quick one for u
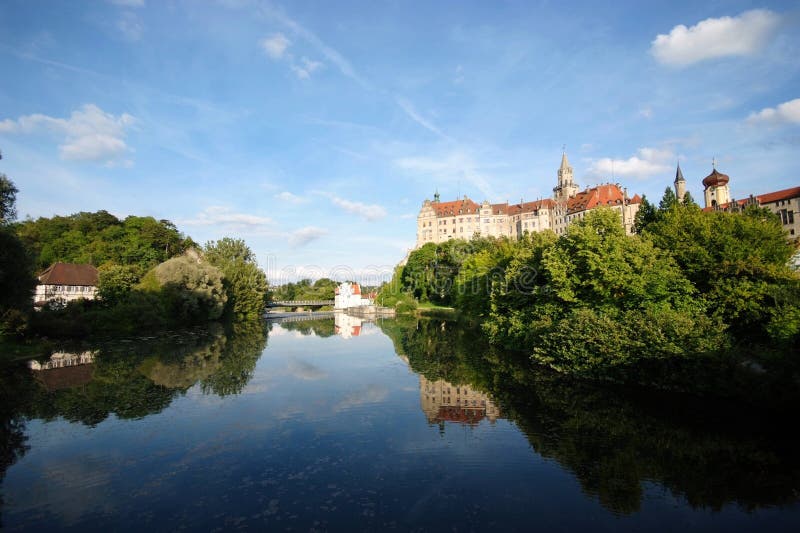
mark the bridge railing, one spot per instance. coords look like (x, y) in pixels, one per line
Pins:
(299, 303)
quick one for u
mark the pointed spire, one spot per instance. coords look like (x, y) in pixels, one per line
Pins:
(564, 161)
(679, 174)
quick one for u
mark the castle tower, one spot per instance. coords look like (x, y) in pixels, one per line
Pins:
(716, 190)
(680, 184)
(566, 187)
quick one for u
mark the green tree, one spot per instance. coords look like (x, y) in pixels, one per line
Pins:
(8, 199)
(688, 200)
(192, 290)
(668, 201)
(116, 282)
(645, 215)
(621, 300)
(738, 261)
(245, 284)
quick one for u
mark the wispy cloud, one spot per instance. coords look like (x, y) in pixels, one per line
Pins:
(785, 113)
(130, 26)
(303, 236)
(227, 218)
(414, 115)
(286, 196)
(454, 167)
(369, 394)
(328, 52)
(305, 68)
(275, 45)
(369, 212)
(647, 162)
(743, 35)
(89, 134)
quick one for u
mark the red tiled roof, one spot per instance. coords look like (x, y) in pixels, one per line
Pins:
(761, 199)
(69, 274)
(785, 194)
(457, 207)
(530, 207)
(600, 196)
(636, 199)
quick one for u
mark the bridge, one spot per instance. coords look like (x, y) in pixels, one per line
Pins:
(299, 303)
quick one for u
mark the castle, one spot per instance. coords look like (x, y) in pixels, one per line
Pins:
(717, 196)
(462, 219)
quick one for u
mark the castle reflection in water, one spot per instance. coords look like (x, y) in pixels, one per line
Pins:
(444, 402)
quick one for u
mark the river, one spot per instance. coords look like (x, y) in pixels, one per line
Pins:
(408, 424)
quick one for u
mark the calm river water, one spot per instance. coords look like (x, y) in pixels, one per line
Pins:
(407, 425)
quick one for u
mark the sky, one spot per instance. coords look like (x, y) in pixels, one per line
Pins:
(315, 130)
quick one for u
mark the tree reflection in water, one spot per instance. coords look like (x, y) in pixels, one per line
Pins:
(614, 439)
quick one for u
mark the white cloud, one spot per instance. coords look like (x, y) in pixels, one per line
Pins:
(412, 113)
(286, 196)
(745, 34)
(370, 212)
(646, 112)
(306, 68)
(303, 236)
(787, 112)
(130, 26)
(329, 53)
(275, 46)
(227, 218)
(646, 162)
(90, 134)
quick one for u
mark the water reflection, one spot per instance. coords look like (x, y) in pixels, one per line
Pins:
(347, 326)
(445, 402)
(614, 440)
(64, 370)
(343, 428)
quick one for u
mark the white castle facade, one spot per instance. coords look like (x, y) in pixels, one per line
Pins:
(463, 219)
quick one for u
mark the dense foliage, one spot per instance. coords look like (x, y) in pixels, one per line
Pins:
(245, 284)
(100, 237)
(305, 289)
(710, 287)
(16, 276)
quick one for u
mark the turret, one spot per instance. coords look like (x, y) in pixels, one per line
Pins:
(716, 190)
(680, 184)
(566, 187)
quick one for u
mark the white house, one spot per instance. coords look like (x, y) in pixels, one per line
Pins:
(65, 282)
(349, 295)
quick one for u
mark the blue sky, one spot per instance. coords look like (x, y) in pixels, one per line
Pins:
(314, 130)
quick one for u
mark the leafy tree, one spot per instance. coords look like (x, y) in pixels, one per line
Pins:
(192, 290)
(688, 200)
(8, 199)
(116, 282)
(601, 303)
(668, 201)
(738, 261)
(16, 279)
(645, 216)
(245, 284)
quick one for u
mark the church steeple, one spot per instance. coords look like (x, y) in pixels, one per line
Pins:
(680, 184)
(566, 187)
